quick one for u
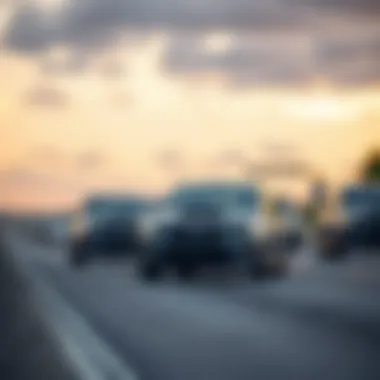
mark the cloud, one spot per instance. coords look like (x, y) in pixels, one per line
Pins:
(344, 57)
(112, 69)
(86, 27)
(29, 30)
(343, 7)
(41, 96)
(350, 59)
(97, 23)
(259, 59)
(73, 63)
(92, 24)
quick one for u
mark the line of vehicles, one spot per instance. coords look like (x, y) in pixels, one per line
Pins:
(218, 223)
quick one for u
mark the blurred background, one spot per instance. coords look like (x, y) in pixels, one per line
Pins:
(107, 95)
(111, 110)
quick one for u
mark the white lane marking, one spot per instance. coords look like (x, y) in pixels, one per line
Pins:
(28, 250)
(92, 356)
(89, 354)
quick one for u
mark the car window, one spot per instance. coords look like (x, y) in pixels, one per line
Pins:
(239, 196)
(361, 198)
(107, 209)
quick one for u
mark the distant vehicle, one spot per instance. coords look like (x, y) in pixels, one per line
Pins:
(356, 223)
(104, 226)
(293, 224)
(212, 223)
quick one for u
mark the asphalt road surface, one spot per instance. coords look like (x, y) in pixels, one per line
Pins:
(322, 323)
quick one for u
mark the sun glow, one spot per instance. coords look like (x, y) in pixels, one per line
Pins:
(322, 108)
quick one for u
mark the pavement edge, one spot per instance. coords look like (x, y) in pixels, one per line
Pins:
(91, 357)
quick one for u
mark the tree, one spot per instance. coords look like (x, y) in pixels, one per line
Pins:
(370, 170)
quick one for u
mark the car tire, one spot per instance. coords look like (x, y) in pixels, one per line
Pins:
(252, 265)
(151, 268)
(278, 271)
(79, 255)
(76, 261)
(257, 270)
(261, 268)
(335, 252)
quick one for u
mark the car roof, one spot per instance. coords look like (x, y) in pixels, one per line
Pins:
(362, 188)
(115, 199)
(216, 185)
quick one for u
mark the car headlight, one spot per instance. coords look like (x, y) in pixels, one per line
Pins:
(259, 226)
(79, 224)
(255, 225)
(152, 223)
(336, 217)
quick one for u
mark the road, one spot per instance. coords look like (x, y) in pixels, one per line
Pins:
(322, 323)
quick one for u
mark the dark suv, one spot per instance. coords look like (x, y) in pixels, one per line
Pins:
(210, 223)
(357, 224)
(105, 226)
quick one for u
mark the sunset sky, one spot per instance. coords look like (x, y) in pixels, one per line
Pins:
(94, 91)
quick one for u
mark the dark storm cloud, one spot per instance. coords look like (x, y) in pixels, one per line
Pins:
(42, 96)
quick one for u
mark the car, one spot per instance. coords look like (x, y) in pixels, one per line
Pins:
(211, 223)
(353, 224)
(105, 225)
(293, 223)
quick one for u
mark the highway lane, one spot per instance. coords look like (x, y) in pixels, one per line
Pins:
(322, 324)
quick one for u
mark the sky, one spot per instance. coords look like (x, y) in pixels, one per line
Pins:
(134, 95)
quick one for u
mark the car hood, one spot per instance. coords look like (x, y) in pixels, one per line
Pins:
(214, 214)
(112, 222)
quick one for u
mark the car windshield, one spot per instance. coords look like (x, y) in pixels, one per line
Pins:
(360, 198)
(244, 196)
(113, 208)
